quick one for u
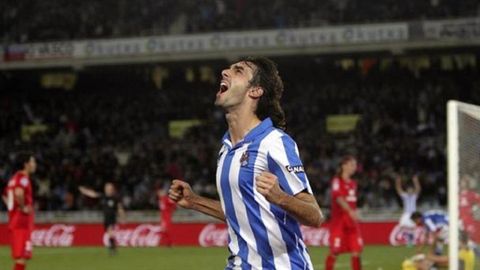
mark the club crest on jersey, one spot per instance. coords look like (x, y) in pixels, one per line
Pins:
(295, 168)
(244, 159)
(24, 181)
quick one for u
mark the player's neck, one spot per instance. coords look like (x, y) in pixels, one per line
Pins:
(240, 122)
(346, 177)
(24, 172)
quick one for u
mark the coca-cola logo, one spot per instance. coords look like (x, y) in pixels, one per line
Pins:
(315, 236)
(58, 235)
(144, 235)
(401, 235)
(213, 236)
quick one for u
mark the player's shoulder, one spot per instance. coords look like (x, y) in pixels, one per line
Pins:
(336, 183)
(278, 137)
(19, 179)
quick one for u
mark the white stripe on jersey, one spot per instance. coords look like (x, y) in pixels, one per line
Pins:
(280, 253)
(241, 212)
(409, 202)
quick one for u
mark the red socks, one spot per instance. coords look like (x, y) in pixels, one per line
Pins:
(330, 262)
(356, 263)
(19, 266)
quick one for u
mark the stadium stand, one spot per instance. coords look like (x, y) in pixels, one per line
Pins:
(116, 127)
(27, 22)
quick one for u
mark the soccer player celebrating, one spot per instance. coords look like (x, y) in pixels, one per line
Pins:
(264, 192)
(19, 200)
(167, 207)
(111, 207)
(345, 234)
(409, 199)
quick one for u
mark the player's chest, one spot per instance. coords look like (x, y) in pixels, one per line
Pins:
(351, 193)
(110, 203)
(240, 165)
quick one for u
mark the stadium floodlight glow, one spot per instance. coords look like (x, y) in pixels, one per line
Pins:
(463, 142)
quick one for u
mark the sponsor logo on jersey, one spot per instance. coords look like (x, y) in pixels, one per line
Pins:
(295, 168)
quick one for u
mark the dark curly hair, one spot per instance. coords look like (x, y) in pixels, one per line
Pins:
(266, 76)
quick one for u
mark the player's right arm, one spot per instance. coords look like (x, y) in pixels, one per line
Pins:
(398, 185)
(416, 185)
(182, 194)
(343, 203)
(88, 192)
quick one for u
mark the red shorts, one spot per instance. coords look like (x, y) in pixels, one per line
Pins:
(21, 243)
(345, 239)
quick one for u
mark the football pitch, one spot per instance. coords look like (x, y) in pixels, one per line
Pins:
(183, 258)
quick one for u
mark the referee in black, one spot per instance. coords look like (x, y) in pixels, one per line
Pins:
(112, 207)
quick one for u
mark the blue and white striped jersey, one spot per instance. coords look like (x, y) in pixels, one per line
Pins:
(435, 220)
(261, 235)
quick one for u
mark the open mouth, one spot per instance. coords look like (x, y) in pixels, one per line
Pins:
(223, 87)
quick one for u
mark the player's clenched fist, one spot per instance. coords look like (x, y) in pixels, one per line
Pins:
(267, 185)
(181, 193)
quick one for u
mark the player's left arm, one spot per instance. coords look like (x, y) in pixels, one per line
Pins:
(285, 183)
(416, 184)
(302, 206)
(121, 212)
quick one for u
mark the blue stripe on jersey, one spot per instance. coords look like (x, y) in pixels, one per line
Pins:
(287, 224)
(229, 208)
(293, 158)
(259, 230)
(435, 219)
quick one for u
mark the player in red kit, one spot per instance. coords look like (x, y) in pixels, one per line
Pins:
(19, 199)
(468, 204)
(167, 207)
(345, 234)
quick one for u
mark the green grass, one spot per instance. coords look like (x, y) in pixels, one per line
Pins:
(182, 258)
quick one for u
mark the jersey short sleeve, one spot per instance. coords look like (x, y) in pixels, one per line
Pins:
(284, 161)
(337, 188)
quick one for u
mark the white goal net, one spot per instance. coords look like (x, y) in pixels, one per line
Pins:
(463, 126)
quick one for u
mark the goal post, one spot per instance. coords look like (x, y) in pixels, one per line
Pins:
(463, 148)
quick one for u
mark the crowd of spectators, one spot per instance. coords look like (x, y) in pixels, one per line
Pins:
(27, 21)
(114, 126)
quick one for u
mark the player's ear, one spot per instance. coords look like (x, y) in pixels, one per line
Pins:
(255, 92)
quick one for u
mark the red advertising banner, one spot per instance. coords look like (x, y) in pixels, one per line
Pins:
(188, 234)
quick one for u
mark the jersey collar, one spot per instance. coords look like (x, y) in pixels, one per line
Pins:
(251, 135)
(21, 174)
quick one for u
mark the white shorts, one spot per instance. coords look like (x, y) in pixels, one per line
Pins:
(406, 221)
